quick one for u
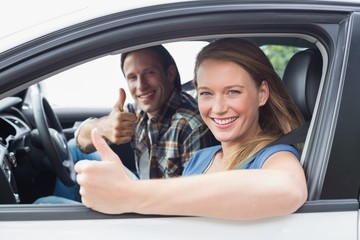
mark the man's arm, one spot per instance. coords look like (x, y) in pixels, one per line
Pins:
(83, 135)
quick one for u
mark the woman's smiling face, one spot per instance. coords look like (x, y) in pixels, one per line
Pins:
(229, 100)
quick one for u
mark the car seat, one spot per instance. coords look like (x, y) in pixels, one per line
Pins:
(302, 79)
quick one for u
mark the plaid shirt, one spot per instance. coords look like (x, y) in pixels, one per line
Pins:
(176, 132)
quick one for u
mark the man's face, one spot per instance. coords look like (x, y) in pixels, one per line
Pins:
(149, 84)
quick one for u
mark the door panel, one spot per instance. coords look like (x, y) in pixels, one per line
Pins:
(301, 225)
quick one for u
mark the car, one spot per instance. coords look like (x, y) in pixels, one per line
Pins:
(43, 53)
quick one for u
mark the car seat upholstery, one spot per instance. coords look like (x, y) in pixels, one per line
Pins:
(302, 79)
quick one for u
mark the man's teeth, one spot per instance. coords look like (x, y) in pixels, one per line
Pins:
(146, 95)
(224, 121)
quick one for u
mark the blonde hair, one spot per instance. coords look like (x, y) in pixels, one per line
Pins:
(278, 116)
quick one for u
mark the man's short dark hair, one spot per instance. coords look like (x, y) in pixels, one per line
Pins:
(165, 58)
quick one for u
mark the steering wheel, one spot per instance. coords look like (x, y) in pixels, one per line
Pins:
(53, 139)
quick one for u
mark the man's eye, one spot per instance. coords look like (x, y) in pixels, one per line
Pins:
(150, 72)
(131, 78)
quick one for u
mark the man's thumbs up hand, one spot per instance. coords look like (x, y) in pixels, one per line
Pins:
(121, 100)
(119, 126)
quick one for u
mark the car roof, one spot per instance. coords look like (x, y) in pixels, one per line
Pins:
(36, 18)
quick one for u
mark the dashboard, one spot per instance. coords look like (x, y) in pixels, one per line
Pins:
(12, 129)
(22, 159)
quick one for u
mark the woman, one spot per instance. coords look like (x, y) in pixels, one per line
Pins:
(245, 105)
(236, 83)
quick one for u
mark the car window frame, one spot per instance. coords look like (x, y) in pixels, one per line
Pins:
(339, 21)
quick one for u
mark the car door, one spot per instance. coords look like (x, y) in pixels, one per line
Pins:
(330, 164)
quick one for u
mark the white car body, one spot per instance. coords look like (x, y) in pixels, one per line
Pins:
(296, 227)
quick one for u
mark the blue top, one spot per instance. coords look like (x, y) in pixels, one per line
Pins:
(203, 158)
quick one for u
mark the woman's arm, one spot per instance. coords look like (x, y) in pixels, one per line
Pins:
(277, 189)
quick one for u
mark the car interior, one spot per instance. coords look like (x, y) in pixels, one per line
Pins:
(29, 166)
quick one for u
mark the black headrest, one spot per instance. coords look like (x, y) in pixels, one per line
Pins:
(302, 79)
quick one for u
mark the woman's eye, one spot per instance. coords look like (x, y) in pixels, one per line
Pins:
(233, 92)
(204, 94)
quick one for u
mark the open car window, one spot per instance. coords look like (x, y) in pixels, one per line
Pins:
(78, 86)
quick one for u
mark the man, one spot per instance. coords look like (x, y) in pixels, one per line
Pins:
(163, 126)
